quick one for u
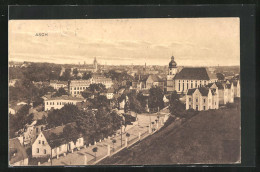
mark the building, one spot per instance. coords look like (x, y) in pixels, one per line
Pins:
(17, 153)
(59, 102)
(187, 78)
(236, 84)
(221, 91)
(110, 93)
(142, 82)
(86, 68)
(76, 87)
(202, 98)
(229, 92)
(52, 143)
(59, 84)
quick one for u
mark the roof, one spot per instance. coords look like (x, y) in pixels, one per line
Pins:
(58, 82)
(111, 90)
(211, 75)
(155, 78)
(141, 77)
(65, 97)
(218, 84)
(193, 74)
(56, 141)
(16, 147)
(203, 90)
(191, 91)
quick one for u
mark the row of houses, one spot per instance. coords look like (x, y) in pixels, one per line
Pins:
(212, 95)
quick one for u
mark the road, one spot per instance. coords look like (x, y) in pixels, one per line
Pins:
(78, 157)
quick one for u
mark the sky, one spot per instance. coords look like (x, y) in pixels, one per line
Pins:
(192, 41)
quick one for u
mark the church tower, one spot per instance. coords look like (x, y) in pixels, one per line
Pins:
(172, 71)
(95, 65)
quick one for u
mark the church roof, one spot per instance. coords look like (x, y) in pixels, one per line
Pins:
(193, 74)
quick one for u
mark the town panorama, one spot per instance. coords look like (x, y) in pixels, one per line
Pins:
(93, 113)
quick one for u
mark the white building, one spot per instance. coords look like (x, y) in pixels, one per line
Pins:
(187, 78)
(59, 102)
(59, 84)
(202, 99)
(47, 144)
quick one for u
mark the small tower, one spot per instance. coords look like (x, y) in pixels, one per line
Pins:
(172, 71)
(95, 64)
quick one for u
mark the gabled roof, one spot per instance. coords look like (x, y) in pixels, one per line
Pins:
(141, 78)
(56, 141)
(191, 91)
(218, 84)
(203, 90)
(193, 74)
(16, 148)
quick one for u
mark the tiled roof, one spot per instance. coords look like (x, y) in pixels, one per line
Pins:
(16, 147)
(58, 82)
(193, 74)
(204, 91)
(65, 97)
(54, 142)
(191, 91)
(218, 84)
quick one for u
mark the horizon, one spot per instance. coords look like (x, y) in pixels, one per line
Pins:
(192, 41)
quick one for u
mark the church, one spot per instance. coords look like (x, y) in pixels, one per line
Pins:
(187, 78)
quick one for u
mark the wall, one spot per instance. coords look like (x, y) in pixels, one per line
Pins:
(41, 147)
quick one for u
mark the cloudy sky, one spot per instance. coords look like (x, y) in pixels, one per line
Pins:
(193, 41)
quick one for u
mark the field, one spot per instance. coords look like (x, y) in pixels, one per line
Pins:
(210, 137)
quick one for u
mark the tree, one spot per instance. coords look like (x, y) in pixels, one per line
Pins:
(60, 92)
(75, 72)
(220, 76)
(95, 149)
(87, 76)
(70, 133)
(176, 107)
(113, 141)
(156, 98)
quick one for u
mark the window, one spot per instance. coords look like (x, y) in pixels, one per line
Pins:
(187, 85)
(78, 88)
(204, 107)
(37, 129)
(39, 142)
(43, 142)
(196, 99)
(41, 128)
(44, 151)
(46, 103)
(189, 106)
(197, 107)
(74, 88)
(196, 85)
(57, 103)
(204, 100)
(37, 150)
(190, 99)
(75, 92)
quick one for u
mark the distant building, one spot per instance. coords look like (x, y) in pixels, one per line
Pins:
(236, 84)
(87, 68)
(51, 143)
(59, 84)
(187, 78)
(110, 93)
(229, 92)
(221, 91)
(202, 99)
(59, 102)
(76, 87)
(17, 153)
(142, 82)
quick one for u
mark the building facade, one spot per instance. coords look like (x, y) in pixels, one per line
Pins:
(187, 78)
(45, 144)
(59, 84)
(202, 99)
(17, 153)
(59, 102)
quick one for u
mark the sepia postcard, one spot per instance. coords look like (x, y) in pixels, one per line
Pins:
(143, 91)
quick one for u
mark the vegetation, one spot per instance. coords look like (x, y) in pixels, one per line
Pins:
(155, 100)
(60, 92)
(211, 137)
(220, 76)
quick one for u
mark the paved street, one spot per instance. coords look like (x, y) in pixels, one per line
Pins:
(78, 157)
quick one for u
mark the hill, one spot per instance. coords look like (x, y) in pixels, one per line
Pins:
(210, 137)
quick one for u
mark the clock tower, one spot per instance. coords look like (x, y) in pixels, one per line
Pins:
(172, 71)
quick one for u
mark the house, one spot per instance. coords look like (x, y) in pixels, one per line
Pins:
(202, 98)
(154, 80)
(59, 84)
(221, 91)
(236, 84)
(139, 82)
(17, 153)
(110, 93)
(59, 102)
(29, 134)
(187, 77)
(52, 143)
